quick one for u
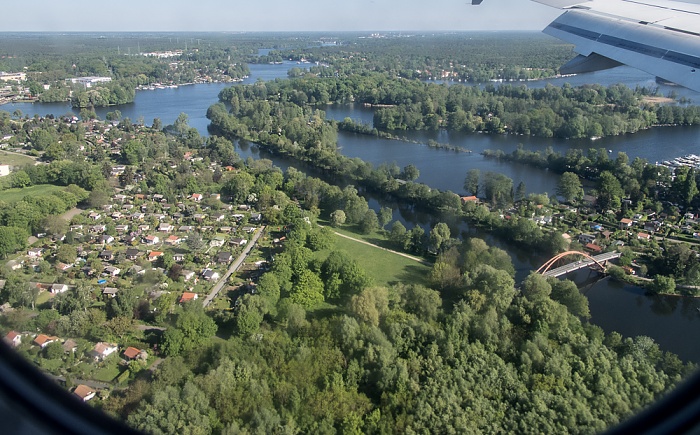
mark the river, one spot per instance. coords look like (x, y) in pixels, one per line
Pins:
(672, 322)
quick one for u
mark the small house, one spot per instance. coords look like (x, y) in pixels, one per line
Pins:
(58, 288)
(103, 350)
(188, 296)
(13, 338)
(42, 340)
(84, 392)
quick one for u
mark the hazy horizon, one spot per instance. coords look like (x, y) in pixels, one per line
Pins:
(277, 16)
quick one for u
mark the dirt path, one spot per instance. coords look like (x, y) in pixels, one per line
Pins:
(410, 257)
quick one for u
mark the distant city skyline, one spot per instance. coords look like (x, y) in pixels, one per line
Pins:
(276, 15)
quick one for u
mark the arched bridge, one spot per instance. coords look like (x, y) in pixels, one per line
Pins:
(598, 262)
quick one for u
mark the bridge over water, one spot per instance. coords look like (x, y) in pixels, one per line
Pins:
(598, 262)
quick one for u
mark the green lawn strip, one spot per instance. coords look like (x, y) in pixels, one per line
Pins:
(15, 159)
(107, 373)
(14, 195)
(383, 267)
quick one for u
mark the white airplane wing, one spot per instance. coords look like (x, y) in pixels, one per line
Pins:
(661, 37)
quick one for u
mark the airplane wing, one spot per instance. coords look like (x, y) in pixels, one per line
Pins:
(661, 37)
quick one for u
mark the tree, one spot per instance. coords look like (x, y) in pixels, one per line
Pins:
(21, 179)
(609, 192)
(195, 242)
(410, 173)
(520, 191)
(338, 218)
(397, 234)
(439, 235)
(569, 187)
(67, 254)
(308, 290)
(385, 215)
(498, 189)
(369, 222)
(157, 124)
(471, 182)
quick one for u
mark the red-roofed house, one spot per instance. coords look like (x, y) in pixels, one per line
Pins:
(132, 353)
(188, 296)
(196, 197)
(466, 199)
(625, 223)
(594, 248)
(154, 255)
(84, 392)
(13, 338)
(42, 340)
(643, 236)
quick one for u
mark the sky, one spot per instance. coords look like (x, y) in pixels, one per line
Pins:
(274, 15)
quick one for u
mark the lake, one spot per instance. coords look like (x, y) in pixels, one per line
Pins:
(672, 322)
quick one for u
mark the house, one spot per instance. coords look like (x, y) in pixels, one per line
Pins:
(173, 240)
(224, 257)
(187, 274)
(138, 216)
(643, 236)
(225, 229)
(112, 271)
(210, 275)
(218, 217)
(107, 255)
(217, 242)
(144, 227)
(196, 197)
(84, 392)
(626, 223)
(102, 350)
(215, 196)
(186, 228)
(94, 216)
(35, 252)
(70, 346)
(63, 266)
(58, 288)
(154, 255)
(178, 258)
(98, 229)
(593, 248)
(132, 253)
(466, 199)
(132, 353)
(188, 296)
(249, 230)
(652, 226)
(42, 340)
(585, 239)
(13, 338)
(199, 217)
(238, 241)
(110, 291)
(255, 217)
(165, 227)
(122, 228)
(151, 240)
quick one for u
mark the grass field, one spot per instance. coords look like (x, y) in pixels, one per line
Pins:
(384, 267)
(14, 195)
(14, 159)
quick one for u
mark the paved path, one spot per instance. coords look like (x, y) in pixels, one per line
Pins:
(410, 257)
(234, 267)
(92, 384)
(67, 216)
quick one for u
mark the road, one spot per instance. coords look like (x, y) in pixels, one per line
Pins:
(234, 267)
(67, 216)
(92, 384)
(410, 257)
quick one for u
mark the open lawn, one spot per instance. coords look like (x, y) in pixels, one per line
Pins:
(14, 195)
(384, 267)
(13, 159)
